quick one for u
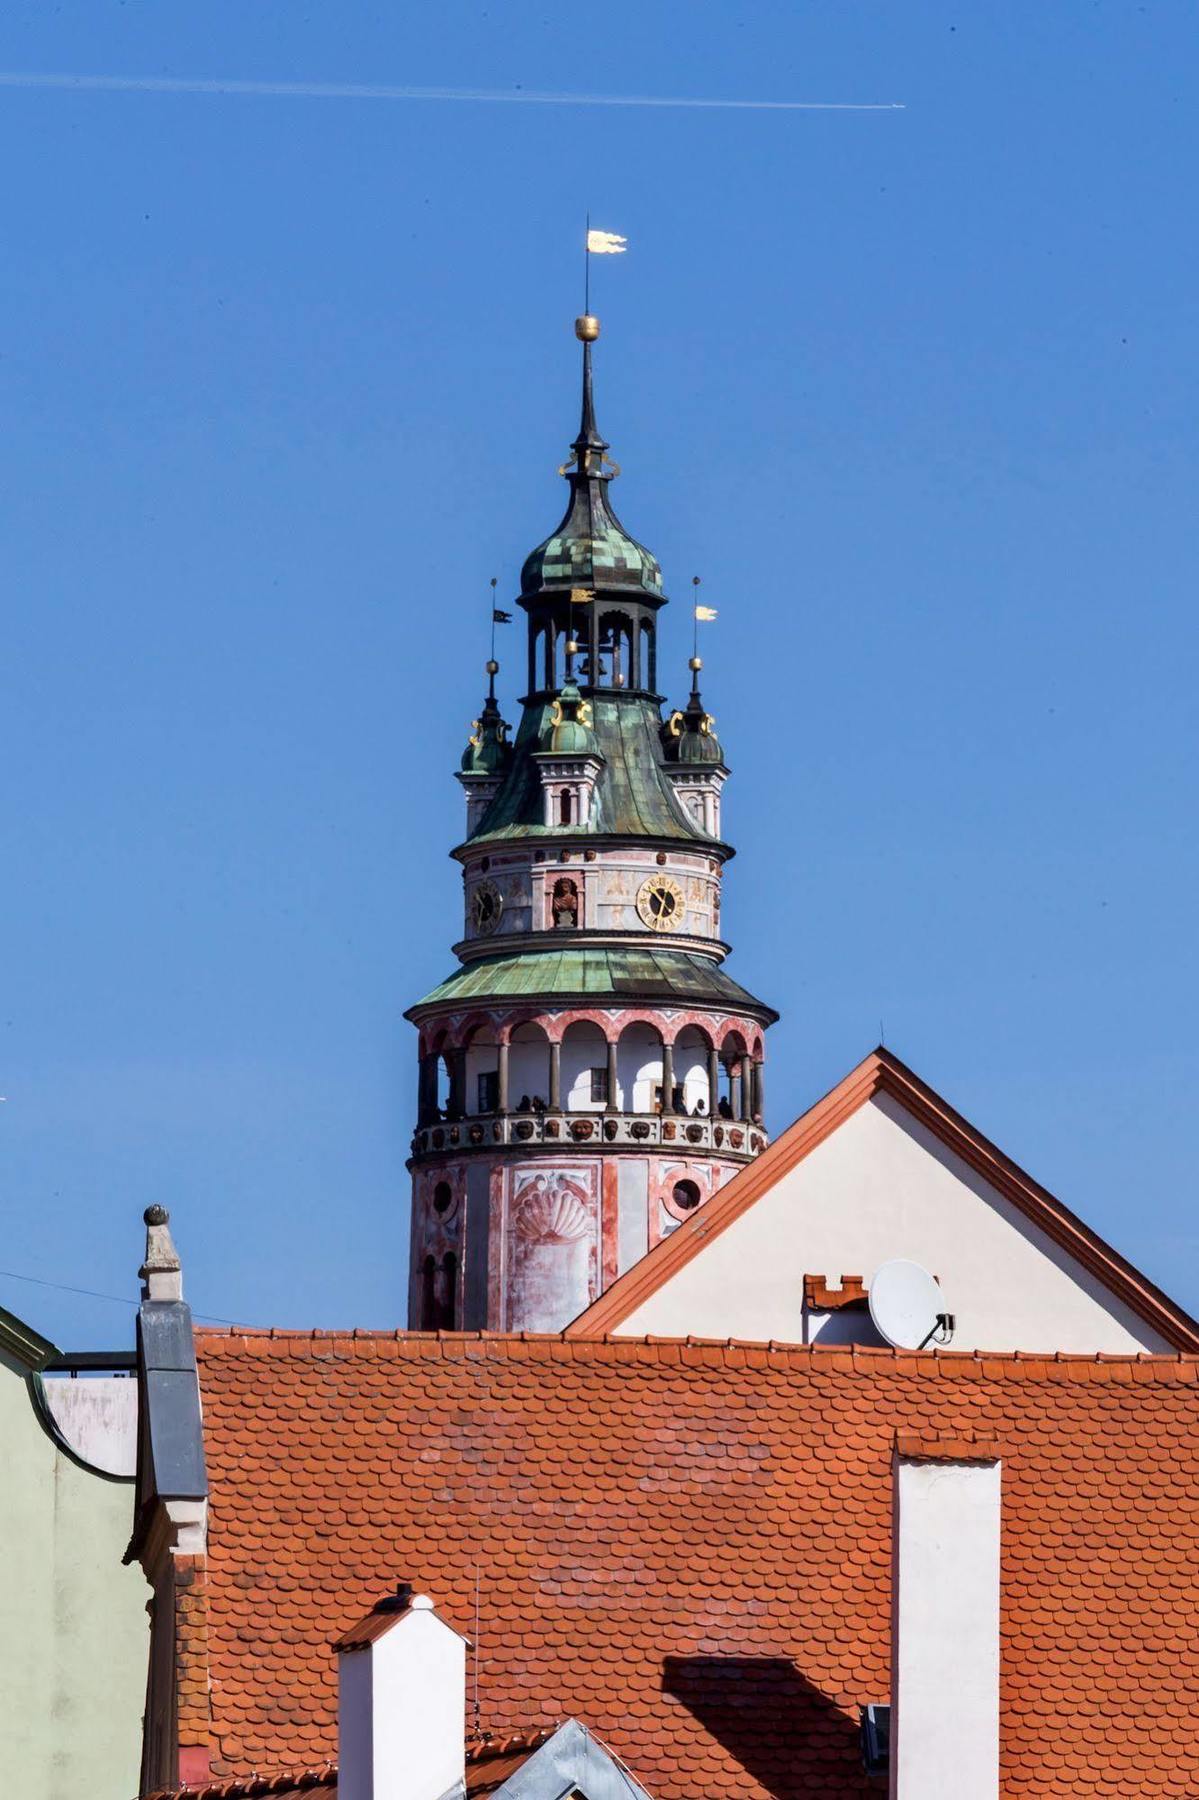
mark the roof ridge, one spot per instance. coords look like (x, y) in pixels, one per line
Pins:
(735, 1352)
(485, 1744)
(250, 1787)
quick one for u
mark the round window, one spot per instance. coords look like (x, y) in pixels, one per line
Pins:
(685, 1197)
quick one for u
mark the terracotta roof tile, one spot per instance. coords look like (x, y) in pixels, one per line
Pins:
(687, 1546)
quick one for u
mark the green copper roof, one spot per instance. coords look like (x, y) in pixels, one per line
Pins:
(633, 796)
(595, 974)
(590, 549)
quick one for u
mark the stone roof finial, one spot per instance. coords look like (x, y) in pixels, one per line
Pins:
(161, 1273)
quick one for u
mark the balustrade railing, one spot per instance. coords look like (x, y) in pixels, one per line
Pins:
(740, 1138)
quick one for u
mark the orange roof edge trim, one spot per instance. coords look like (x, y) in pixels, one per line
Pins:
(953, 1365)
(882, 1072)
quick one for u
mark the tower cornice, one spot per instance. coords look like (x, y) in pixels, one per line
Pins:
(472, 950)
(543, 838)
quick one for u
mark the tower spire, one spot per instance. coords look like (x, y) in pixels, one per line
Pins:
(587, 329)
(590, 548)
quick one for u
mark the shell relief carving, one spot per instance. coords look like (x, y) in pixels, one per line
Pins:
(551, 1211)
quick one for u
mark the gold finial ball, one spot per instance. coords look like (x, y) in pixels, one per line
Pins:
(695, 663)
(493, 667)
(587, 328)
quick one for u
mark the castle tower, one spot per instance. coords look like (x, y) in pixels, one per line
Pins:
(589, 1075)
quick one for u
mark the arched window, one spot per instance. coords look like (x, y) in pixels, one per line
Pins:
(428, 1294)
(648, 671)
(617, 644)
(564, 903)
(565, 807)
(449, 1292)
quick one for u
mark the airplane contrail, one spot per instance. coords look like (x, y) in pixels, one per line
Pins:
(339, 90)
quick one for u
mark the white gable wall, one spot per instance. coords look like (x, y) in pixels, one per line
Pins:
(882, 1186)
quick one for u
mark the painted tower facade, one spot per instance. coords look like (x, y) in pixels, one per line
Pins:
(589, 1075)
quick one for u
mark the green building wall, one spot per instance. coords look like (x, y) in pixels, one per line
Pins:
(74, 1633)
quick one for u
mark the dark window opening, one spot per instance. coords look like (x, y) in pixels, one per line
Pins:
(428, 1296)
(876, 1739)
(599, 1085)
(488, 1091)
(565, 807)
(443, 1197)
(449, 1292)
(686, 1195)
(439, 1293)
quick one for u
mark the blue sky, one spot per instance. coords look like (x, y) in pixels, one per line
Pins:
(284, 382)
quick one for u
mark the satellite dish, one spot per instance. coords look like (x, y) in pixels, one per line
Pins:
(908, 1308)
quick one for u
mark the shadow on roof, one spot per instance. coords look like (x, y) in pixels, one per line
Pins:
(788, 1736)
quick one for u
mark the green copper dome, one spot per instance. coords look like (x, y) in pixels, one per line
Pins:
(702, 746)
(570, 732)
(689, 737)
(488, 750)
(591, 549)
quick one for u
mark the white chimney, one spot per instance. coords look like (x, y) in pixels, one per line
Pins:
(401, 1704)
(945, 1620)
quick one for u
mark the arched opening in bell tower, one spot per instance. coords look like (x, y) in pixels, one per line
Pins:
(736, 1082)
(639, 1068)
(529, 1069)
(584, 1068)
(692, 1056)
(482, 1073)
(618, 640)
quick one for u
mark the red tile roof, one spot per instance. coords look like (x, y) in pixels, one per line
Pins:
(881, 1072)
(489, 1763)
(295, 1784)
(687, 1545)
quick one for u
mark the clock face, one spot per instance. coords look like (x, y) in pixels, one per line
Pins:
(660, 903)
(486, 905)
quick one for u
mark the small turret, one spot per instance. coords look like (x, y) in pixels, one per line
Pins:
(570, 724)
(569, 760)
(694, 758)
(689, 737)
(488, 755)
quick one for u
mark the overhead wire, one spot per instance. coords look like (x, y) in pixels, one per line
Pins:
(63, 1287)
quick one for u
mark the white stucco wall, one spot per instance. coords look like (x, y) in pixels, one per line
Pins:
(97, 1416)
(880, 1187)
